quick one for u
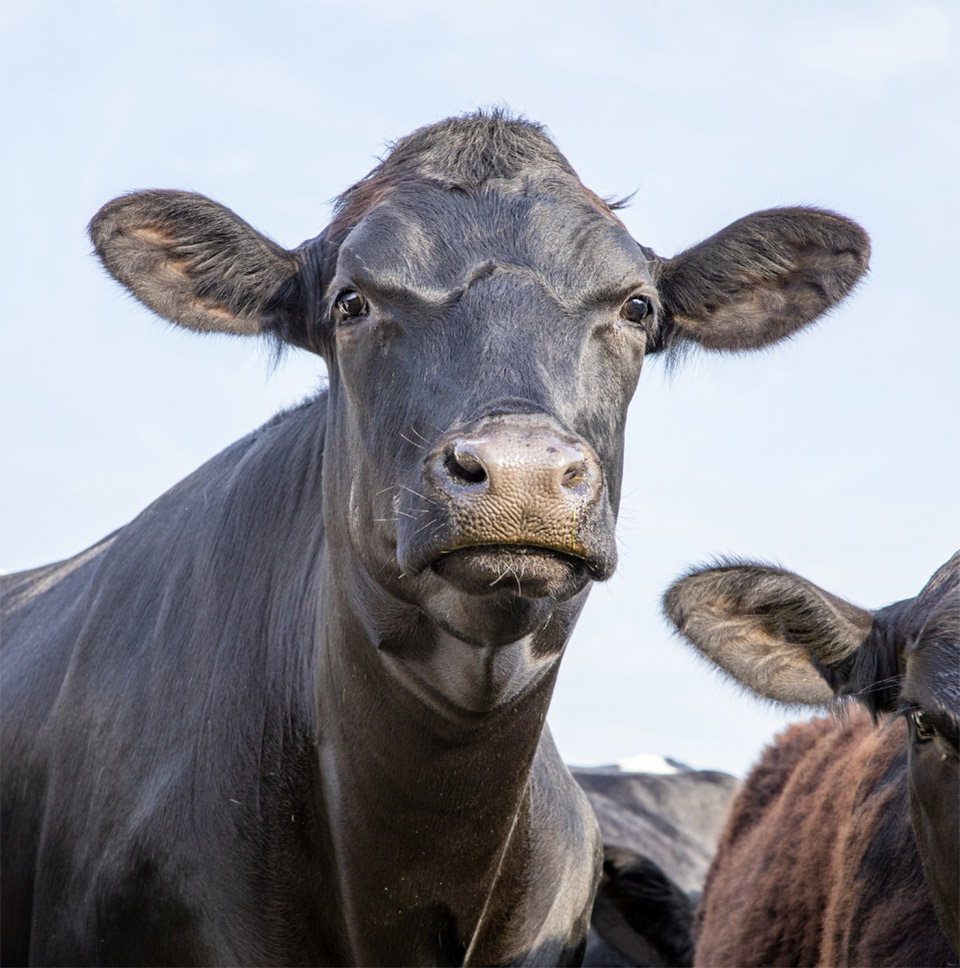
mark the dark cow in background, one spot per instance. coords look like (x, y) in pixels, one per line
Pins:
(640, 917)
(842, 847)
(294, 712)
(674, 818)
(660, 832)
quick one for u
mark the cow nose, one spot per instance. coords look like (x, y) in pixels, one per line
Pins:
(514, 482)
(542, 466)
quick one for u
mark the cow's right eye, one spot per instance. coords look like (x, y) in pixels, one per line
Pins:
(924, 728)
(351, 304)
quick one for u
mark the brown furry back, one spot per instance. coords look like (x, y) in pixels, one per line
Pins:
(818, 863)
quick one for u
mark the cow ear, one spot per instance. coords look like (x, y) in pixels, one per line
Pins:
(198, 264)
(769, 628)
(760, 279)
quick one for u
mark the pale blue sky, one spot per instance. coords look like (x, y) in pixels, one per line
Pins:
(835, 455)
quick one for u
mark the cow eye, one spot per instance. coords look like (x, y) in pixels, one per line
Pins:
(636, 309)
(351, 304)
(922, 725)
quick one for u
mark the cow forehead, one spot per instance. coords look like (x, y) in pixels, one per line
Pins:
(933, 650)
(437, 242)
(935, 612)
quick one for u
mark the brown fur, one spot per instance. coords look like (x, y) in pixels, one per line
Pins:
(818, 864)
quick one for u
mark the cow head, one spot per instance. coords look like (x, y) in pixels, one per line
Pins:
(484, 318)
(788, 640)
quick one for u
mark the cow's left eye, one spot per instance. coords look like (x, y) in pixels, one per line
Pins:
(922, 725)
(636, 309)
(351, 304)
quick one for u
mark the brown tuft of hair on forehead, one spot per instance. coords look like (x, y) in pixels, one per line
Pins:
(462, 152)
(362, 198)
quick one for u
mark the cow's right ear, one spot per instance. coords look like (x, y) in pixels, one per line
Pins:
(198, 264)
(765, 627)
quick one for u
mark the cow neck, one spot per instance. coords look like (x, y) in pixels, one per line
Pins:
(429, 804)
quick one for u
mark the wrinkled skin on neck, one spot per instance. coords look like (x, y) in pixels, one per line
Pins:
(452, 806)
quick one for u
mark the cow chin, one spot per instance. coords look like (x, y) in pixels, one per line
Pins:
(495, 595)
(523, 572)
(500, 615)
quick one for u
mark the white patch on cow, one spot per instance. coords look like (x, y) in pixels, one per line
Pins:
(647, 763)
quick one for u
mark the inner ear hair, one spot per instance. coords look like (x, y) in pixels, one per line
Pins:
(761, 279)
(765, 626)
(192, 260)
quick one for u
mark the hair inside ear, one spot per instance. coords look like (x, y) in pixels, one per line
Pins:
(194, 261)
(761, 279)
(765, 627)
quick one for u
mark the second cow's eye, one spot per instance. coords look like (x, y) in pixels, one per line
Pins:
(351, 305)
(922, 725)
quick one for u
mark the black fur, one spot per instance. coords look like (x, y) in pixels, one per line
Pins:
(641, 912)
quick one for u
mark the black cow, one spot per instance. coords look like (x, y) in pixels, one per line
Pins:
(641, 918)
(675, 819)
(829, 842)
(665, 829)
(294, 712)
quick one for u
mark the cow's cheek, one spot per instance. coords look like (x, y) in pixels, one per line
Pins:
(608, 380)
(934, 795)
(359, 485)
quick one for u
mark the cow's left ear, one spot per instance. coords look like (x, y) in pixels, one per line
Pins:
(769, 629)
(760, 279)
(198, 264)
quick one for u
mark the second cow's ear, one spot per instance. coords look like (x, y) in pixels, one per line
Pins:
(198, 264)
(760, 279)
(765, 627)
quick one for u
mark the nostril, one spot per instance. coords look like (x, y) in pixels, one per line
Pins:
(463, 466)
(578, 476)
(574, 476)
